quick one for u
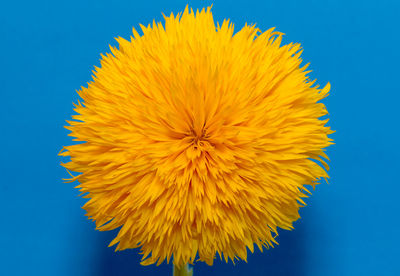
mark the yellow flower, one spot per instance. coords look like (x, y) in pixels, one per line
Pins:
(198, 141)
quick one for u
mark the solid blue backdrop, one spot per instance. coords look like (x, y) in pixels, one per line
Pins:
(350, 226)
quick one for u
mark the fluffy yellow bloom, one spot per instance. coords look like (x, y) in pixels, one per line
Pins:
(198, 141)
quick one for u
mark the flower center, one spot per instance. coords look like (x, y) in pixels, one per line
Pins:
(199, 138)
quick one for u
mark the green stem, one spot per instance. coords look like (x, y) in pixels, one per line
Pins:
(183, 270)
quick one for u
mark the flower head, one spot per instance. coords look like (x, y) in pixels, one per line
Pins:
(198, 141)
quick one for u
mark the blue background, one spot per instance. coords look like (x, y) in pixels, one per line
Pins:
(47, 51)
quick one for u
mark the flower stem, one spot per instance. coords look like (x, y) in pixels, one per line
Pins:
(183, 270)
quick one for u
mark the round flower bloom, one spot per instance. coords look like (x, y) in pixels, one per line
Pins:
(198, 141)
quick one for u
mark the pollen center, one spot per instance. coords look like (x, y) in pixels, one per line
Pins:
(199, 138)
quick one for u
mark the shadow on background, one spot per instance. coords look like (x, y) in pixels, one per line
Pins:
(287, 258)
(123, 263)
